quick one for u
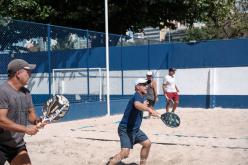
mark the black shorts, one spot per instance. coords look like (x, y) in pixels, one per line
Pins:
(8, 153)
(151, 103)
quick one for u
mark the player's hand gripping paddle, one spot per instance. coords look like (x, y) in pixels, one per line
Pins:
(54, 109)
(170, 119)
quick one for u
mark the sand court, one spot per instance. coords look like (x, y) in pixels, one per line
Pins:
(218, 136)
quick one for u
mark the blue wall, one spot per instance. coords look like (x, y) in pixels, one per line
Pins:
(96, 109)
(93, 109)
(220, 53)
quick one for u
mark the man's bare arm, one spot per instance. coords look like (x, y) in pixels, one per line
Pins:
(143, 107)
(8, 124)
(154, 86)
(177, 88)
(164, 87)
(32, 118)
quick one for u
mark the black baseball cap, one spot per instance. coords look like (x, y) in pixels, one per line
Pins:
(172, 69)
(18, 64)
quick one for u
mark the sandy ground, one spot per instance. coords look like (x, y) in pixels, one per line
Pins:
(216, 137)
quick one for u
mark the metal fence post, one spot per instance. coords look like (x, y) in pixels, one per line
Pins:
(87, 34)
(88, 78)
(122, 81)
(49, 56)
(148, 54)
(88, 72)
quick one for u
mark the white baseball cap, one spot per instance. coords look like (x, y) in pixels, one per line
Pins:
(149, 73)
(140, 81)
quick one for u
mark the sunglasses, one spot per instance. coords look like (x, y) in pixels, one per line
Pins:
(143, 84)
(27, 70)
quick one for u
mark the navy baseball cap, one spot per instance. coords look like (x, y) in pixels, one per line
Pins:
(172, 69)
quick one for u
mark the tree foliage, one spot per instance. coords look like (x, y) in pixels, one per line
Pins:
(220, 16)
(89, 14)
(25, 9)
(225, 19)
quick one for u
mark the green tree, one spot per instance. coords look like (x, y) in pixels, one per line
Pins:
(89, 14)
(221, 16)
(224, 19)
(25, 9)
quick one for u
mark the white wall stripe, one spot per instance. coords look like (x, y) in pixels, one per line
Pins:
(196, 81)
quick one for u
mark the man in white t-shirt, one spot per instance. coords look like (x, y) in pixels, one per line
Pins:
(170, 89)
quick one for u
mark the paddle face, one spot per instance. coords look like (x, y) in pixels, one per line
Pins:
(170, 119)
(55, 108)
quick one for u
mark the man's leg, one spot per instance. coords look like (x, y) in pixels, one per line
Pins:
(118, 157)
(175, 106)
(146, 145)
(167, 98)
(167, 106)
(142, 139)
(126, 145)
(176, 101)
(21, 158)
(151, 105)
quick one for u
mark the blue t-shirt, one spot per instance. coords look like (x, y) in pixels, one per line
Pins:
(132, 117)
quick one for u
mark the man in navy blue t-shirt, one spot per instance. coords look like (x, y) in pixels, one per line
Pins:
(129, 127)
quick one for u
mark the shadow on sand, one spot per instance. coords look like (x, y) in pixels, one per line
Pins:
(121, 163)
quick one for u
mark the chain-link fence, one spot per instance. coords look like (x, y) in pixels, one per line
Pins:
(55, 47)
(22, 36)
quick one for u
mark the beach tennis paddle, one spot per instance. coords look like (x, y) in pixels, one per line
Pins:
(54, 109)
(170, 119)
